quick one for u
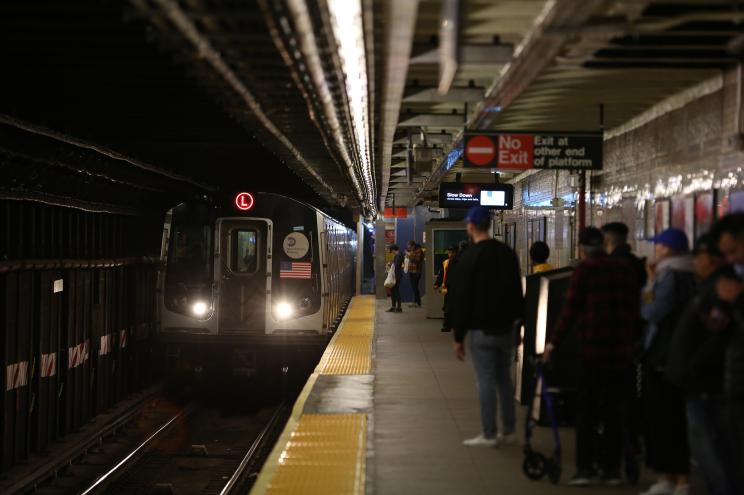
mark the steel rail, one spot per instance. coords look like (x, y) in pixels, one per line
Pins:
(109, 475)
(234, 480)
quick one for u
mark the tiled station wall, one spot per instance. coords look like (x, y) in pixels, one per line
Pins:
(77, 319)
(686, 146)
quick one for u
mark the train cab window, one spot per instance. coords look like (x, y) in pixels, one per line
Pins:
(244, 251)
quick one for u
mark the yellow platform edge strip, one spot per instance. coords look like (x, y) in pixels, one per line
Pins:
(361, 310)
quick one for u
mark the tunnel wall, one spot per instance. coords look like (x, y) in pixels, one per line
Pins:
(77, 307)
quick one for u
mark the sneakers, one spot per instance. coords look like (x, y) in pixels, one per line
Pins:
(582, 478)
(663, 487)
(507, 439)
(480, 441)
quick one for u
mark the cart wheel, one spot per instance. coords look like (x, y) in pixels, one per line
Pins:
(534, 465)
(554, 470)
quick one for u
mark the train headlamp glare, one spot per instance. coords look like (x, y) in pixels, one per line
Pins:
(199, 308)
(284, 310)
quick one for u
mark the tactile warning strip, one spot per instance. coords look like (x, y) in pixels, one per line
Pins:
(325, 455)
(350, 352)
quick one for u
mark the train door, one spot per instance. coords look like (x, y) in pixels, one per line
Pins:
(243, 275)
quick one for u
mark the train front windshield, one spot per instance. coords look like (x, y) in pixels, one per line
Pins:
(188, 278)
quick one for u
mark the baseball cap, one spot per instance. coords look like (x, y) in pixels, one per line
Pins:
(672, 238)
(477, 215)
(706, 244)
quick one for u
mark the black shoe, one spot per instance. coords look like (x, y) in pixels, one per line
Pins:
(391, 310)
(398, 310)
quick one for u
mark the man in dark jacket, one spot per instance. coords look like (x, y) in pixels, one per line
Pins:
(729, 233)
(695, 364)
(602, 308)
(486, 300)
(616, 245)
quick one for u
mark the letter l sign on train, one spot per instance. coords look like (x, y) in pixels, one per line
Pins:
(539, 150)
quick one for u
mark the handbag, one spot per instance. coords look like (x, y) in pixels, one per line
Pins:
(390, 279)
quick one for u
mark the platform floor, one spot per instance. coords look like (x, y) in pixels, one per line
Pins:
(425, 404)
(386, 411)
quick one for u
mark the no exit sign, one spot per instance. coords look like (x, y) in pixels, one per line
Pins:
(539, 150)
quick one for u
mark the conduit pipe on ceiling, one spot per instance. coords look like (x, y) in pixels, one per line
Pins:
(58, 136)
(311, 56)
(188, 30)
(449, 32)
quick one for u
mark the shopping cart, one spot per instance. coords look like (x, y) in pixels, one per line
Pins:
(536, 465)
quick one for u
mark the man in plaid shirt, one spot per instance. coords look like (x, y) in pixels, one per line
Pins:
(602, 307)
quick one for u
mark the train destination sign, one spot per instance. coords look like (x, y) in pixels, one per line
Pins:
(533, 150)
(466, 195)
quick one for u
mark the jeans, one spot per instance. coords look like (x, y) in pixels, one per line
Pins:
(415, 278)
(493, 356)
(395, 294)
(599, 399)
(706, 429)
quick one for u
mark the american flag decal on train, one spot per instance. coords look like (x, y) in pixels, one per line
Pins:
(292, 269)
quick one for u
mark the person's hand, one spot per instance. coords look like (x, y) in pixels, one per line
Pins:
(651, 270)
(459, 351)
(547, 354)
(728, 290)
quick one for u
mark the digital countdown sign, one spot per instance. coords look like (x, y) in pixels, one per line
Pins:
(467, 195)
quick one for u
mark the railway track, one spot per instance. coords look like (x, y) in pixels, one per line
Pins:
(198, 450)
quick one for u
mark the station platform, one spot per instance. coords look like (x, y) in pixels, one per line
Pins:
(386, 412)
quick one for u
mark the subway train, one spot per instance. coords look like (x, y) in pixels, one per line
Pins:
(256, 283)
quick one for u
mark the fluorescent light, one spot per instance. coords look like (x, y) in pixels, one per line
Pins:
(348, 30)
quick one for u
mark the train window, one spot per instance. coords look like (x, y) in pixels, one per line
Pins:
(245, 251)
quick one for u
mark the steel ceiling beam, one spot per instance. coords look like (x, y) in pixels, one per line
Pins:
(454, 95)
(470, 55)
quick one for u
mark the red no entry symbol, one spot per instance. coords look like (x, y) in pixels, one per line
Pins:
(244, 201)
(480, 150)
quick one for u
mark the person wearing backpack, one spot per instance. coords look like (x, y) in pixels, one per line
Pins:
(395, 271)
(486, 299)
(671, 287)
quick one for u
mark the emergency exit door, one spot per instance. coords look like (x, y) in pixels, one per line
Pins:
(243, 266)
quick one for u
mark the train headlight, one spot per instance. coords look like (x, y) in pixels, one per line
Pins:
(284, 310)
(199, 308)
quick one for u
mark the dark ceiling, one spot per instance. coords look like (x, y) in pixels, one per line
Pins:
(93, 70)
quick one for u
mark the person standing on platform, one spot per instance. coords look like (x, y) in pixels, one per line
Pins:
(602, 308)
(616, 244)
(415, 256)
(398, 259)
(696, 362)
(486, 302)
(671, 287)
(440, 284)
(539, 254)
(729, 232)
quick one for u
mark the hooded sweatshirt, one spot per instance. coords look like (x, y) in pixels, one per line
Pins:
(664, 300)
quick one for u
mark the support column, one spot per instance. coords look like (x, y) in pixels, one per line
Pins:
(380, 259)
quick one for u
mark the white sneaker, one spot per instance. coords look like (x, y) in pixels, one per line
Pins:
(681, 490)
(663, 487)
(508, 439)
(480, 441)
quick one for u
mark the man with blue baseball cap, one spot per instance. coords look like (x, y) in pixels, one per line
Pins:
(486, 302)
(670, 289)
